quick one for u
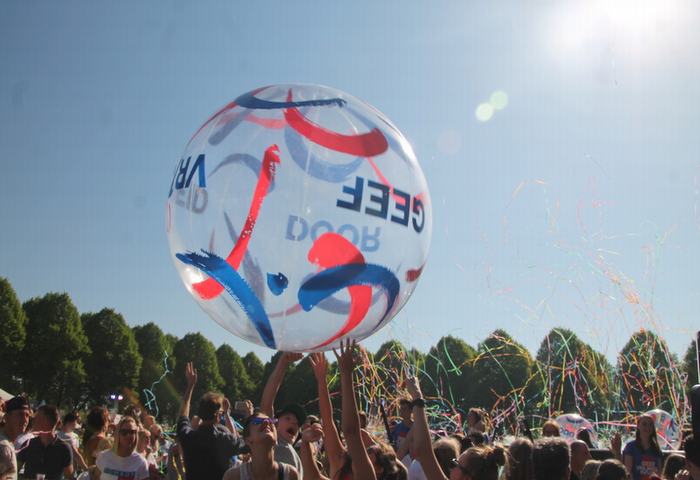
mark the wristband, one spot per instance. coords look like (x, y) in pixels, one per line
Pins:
(418, 402)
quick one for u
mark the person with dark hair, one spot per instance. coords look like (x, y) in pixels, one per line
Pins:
(68, 435)
(475, 421)
(585, 436)
(46, 453)
(520, 465)
(290, 418)
(612, 469)
(642, 456)
(15, 422)
(122, 460)
(208, 449)
(260, 435)
(551, 459)
(400, 430)
(579, 456)
(550, 428)
(95, 437)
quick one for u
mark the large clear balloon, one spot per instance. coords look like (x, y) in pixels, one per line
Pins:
(298, 216)
(570, 424)
(668, 432)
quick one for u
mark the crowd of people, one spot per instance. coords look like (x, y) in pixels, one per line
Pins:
(289, 444)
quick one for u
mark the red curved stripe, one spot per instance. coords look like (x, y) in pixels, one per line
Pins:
(210, 288)
(412, 275)
(331, 250)
(271, 123)
(230, 106)
(367, 144)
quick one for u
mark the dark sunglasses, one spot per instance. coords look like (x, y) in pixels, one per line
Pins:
(126, 431)
(261, 420)
(454, 463)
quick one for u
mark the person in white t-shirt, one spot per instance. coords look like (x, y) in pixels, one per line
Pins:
(122, 461)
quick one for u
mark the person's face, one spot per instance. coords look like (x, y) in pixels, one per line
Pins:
(17, 421)
(128, 437)
(288, 427)
(42, 423)
(549, 431)
(645, 425)
(262, 431)
(404, 410)
(144, 441)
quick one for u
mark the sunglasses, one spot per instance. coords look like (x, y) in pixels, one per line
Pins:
(126, 431)
(454, 463)
(263, 420)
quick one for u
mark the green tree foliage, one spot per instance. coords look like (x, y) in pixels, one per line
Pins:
(300, 386)
(236, 381)
(448, 371)
(648, 373)
(502, 370)
(114, 364)
(163, 399)
(690, 365)
(13, 324)
(195, 348)
(53, 368)
(572, 375)
(255, 369)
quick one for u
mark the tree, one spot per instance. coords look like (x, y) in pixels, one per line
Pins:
(114, 362)
(233, 371)
(155, 385)
(255, 368)
(13, 325)
(448, 371)
(53, 353)
(690, 365)
(502, 370)
(648, 374)
(195, 348)
(300, 386)
(570, 372)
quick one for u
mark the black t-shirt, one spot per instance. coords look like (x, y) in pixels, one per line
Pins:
(207, 450)
(49, 459)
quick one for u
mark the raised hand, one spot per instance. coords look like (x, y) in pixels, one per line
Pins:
(290, 357)
(312, 433)
(190, 375)
(346, 359)
(413, 387)
(319, 364)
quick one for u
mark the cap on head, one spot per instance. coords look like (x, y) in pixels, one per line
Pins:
(16, 403)
(296, 410)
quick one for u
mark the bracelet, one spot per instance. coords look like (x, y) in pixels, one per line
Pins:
(418, 402)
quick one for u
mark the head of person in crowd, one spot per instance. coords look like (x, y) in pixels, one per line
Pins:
(590, 470)
(674, 463)
(126, 436)
(260, 432)
(209, 408)
(289, 421)
(446, 449)
(585, 436)
(405, 410)
(16, 420)
(550, 429)
(646, 434)
(611, 469)
(96, 422)
(580, 454)
(156, 436)
(69, 422)
(550, 459)
(134, 412)
(310, 420)
(46, 419)
(479, 463)
(143, 446)
(692, 455)
(148, 421)
(520, 465)
(475, 420)
(385, 463)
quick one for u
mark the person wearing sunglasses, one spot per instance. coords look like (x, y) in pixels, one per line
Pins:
(260, 436)
(476, 463)
(122, 461)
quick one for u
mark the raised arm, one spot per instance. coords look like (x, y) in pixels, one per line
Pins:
(422, 445)
(191, 376)
(311, 434)
(273, 383)
(350, 424)
(334, 447)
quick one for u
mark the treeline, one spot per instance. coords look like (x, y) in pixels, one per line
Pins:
(55, 354)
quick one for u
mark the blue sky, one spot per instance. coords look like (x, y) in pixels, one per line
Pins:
(576, 205)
